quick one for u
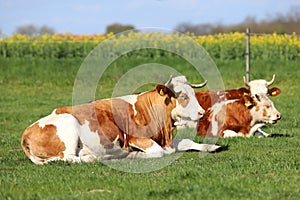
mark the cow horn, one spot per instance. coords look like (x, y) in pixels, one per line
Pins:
(198, 85)
(271, 82)
(169, 81)
(246, 82)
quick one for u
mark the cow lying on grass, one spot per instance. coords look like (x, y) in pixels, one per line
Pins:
(238, 117)
(208, 98)
(133, 126)
(238, 112)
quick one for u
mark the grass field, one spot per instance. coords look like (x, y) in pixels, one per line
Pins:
(251, 168)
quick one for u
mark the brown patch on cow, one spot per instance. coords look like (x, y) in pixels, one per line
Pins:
(257, 108)
(141, 143)
(100, 117)
(154, 113)
(233, 116)
(238, 118)
(210, 97)
(42, 143)
(112, 118)
(183, 100)
(265, 113)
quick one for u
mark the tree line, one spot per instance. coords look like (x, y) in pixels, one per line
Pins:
(280, 24)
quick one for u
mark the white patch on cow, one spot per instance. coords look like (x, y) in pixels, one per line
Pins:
(181, 123)
(193, 111)
(255, 128)
(115, 142)
(262, 133)
(68, 130)
(187, 144)
(90, 141)
(131, 99)
(258, 87)
(155, 151)
(169, 150)
(229, 133)
(49, 119)
(93, 150)
(216, 109)
(267, 113)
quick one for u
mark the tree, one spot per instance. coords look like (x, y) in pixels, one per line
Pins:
(46, 30)
(198, 29)
(33, 30)
(280, 23)
(27, 30)
(118, 28)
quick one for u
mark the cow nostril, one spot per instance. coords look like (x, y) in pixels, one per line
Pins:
(201, 114)
(278, 116)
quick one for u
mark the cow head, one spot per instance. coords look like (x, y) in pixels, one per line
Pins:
(187, 107)
(263, 110)
(260, 86)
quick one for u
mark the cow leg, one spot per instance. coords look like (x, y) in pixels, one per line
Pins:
(149, 148)
(230, 133)
(85, 155)
(187, 144)
(68, 131)
(255, 128)
(262, 133)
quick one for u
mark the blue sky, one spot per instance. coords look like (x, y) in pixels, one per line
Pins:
(92, 16)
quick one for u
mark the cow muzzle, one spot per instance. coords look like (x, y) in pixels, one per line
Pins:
(278, 117)
(201, 115)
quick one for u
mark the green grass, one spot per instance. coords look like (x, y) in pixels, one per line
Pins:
(251, 168)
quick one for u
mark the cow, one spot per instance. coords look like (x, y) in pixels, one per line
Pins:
(260, 86)
(132, 126)
(256, 87)
(238, 117)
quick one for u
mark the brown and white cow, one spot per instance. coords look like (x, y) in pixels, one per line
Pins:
(256, 87)
(238, 117)
(210, 97)
(113, 128)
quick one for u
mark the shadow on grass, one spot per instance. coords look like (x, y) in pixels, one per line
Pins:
(222, 148)
(273, 135)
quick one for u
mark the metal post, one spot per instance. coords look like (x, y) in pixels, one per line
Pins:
(248, 54)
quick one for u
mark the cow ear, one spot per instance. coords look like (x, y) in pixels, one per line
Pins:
(274, 91)
(249, 102)
(245, 91)
(162, 90)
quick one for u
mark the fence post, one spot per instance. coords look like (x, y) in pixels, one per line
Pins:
(248, 54)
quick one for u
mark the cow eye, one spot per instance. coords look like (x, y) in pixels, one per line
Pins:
(183, 97)
(257, 97)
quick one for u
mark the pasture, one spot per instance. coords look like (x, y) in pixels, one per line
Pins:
(249, 168)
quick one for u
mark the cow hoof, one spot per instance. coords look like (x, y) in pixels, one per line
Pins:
(169, 150)
(213, 148)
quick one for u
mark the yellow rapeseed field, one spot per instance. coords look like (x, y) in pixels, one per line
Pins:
(220, 46)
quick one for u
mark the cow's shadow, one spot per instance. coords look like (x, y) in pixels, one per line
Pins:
(274, 135)
(222, 148)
